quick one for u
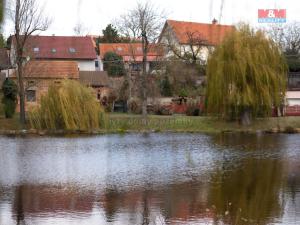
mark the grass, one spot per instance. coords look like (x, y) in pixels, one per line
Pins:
(120, 123)
(9, 124)
(181, 123)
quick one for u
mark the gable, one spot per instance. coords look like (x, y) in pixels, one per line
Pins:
(213, 34)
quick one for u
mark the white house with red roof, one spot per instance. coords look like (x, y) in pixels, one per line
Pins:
(186, 37)
(62, 48)
(132, 54)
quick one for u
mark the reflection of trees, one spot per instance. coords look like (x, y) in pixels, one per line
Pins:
(251, 193)
(250, 141)
(112, 199)
(19, 206)
(146, 210)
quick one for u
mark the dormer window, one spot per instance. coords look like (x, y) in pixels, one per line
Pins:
(53, 50)
(72, 50)
(36, 49)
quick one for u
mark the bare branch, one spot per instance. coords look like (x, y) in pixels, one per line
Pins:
(143, 22)
(191, 51)
(28, 18)
(287, 36)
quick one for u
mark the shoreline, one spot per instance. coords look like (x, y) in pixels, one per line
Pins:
(63, 133)
(126, 124)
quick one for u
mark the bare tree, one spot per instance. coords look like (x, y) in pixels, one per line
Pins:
(28, 18)
(80, 29)
(145, 22)
(191, 51)
(287, 36)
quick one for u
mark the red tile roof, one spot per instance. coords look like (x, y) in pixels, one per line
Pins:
(212, 33)
(60, 47)
(131, 51)
(51, 70)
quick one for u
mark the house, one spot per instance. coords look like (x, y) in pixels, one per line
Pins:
(180, 37)
(132, 54)
(98, 80)
(293, 94)
(61, 48)
(39, 75)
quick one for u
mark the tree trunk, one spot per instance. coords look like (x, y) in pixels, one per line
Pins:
(246, 117)
(129, 88)
(144, 76)
(21, 93)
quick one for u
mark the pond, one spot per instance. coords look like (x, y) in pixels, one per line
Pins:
(150, 179)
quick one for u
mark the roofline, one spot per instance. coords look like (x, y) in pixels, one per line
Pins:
(162, 31)
(165, 27)
(182, 21)
(65, 36)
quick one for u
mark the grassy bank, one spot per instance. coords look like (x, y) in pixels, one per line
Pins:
(177, 123)
(180, 123)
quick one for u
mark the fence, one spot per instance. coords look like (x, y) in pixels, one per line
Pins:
(292, 110)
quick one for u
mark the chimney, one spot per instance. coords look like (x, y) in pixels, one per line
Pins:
(214, 21)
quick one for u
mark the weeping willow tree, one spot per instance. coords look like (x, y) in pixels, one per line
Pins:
(246, 76)
(1, 10)
(68, 106)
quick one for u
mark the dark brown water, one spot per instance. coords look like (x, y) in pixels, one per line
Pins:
(150, 179)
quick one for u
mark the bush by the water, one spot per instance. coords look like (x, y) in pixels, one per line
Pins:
(193, 110)
(9, 100)
(68, 106)
(135, 106)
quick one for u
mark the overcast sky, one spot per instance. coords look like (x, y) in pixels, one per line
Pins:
(96, 14)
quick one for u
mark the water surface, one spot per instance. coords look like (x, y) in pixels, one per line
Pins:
(150, 179)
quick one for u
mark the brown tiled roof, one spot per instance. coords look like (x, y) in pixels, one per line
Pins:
(212, 33)
(61, 47)
(94, 78)
(51, 70)
(4, 59)
(131, 51)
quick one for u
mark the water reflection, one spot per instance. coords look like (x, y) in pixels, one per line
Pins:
(154, 179)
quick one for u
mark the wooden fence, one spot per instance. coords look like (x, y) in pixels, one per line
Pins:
(292, 110)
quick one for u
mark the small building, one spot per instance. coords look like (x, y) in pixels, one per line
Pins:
(293, 94)
(39, 75)
(98, 80)
(190, 37)
(293, 89)
(132, 54)
(61, 48)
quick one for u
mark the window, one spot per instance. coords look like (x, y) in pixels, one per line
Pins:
(31, 95)
(30, 82)
(53, 50)
(72, 50)
(36, 49)
(139, 49)
(136, 67)
(57, 82)
(96, 64)
(119, 49)
(99, 95)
